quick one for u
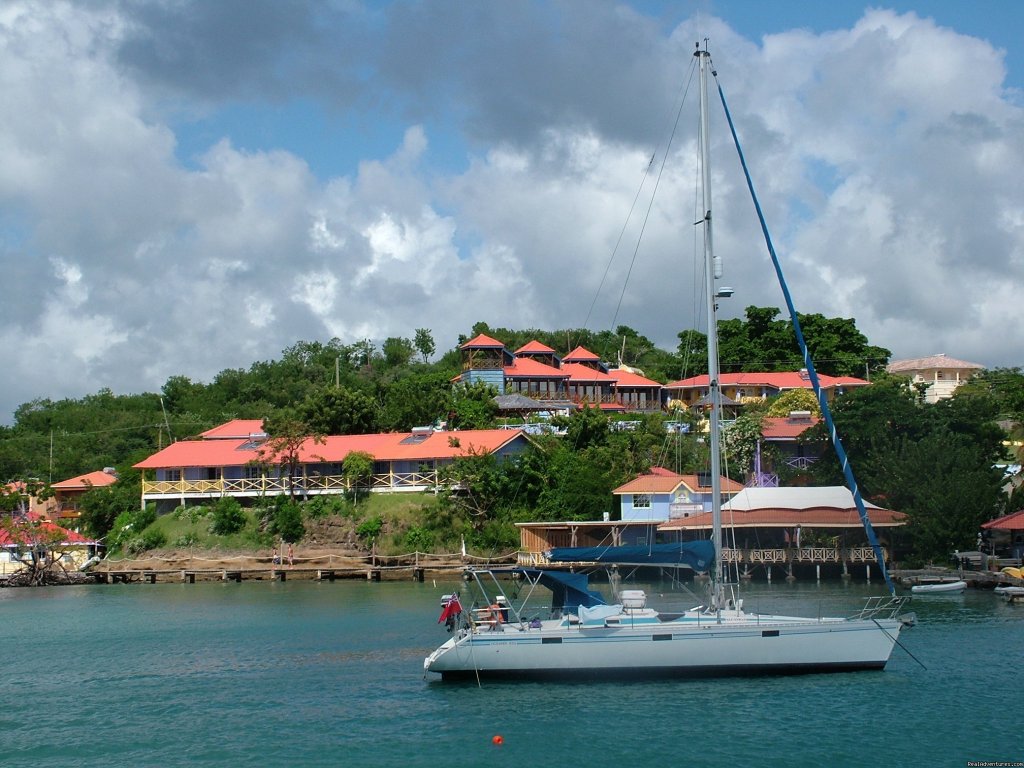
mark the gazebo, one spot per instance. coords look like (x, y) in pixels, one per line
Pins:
(1013, 526)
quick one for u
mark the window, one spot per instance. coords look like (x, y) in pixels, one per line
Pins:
(641, 501)
(173, 475)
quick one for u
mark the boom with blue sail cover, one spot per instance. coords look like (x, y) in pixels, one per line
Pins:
(698, 555)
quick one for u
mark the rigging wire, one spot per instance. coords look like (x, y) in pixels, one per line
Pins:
(657, 183)
(622, 232)
(668, 145)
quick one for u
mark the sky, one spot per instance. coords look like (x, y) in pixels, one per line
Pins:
(188, 186)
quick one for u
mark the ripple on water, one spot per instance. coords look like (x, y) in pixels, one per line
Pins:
(308, 674)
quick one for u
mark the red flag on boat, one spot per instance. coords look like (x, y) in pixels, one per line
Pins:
(452, 607)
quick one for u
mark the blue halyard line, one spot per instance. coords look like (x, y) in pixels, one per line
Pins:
(808, 363)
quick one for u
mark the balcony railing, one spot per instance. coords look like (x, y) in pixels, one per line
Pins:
(274, 486)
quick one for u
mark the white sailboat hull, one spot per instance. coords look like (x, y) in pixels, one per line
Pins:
(750, 645)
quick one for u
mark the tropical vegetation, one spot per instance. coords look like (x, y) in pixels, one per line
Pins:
(934, 461)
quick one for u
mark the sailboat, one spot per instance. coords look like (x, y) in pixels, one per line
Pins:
(583, 636)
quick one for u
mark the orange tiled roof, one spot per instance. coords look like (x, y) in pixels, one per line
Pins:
(783, 380)
(535, 347)
(238, 429)
(630, 379)
(527, 367)
(396, 446)
(581, 354)
(96, 479)
(482, 341)
(578, 372)
(786, 427)
(661, 480)
(1012, 522)
(50, 530)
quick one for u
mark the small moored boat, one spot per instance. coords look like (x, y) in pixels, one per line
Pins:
(1010, 594)
(940, 587)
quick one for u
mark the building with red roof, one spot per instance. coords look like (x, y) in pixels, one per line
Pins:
(67, 494)
(644, 502)
(662, 495)
(1008, 532)
(236, 429)
(790, 525)
(745, 387)
(32, 535)
(244, 467)
(783, 434)
(578, 379)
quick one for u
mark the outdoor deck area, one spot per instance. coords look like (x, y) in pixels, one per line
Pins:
(269, 485)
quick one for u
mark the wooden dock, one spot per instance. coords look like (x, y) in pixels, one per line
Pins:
(974, 579)
(192, 575)
(373, 568)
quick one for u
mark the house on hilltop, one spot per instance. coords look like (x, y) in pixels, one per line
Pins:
(578, 379)
(749, 387)
(940, 374)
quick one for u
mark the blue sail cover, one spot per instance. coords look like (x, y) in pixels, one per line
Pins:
(569, 590)
(699, 555)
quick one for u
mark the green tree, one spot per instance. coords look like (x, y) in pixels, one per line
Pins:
(578, 487)
(944, 486)
(935, 462)
(100, 507)
(357, 470)
(397, 351)
(228, 517)
(764, 342)
(417, 400)
(473, 406)
(339, 411)
(290, 445)
(473, 484)
(794, 400)
(424, 343)
(584, 428)
(739, 441)
(286, 521)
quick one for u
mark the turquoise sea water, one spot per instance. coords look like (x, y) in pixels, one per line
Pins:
(310, 674)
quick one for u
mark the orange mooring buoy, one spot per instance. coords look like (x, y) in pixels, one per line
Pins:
(498, 740)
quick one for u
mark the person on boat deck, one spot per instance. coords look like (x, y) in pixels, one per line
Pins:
(494, 614)
(502, 604)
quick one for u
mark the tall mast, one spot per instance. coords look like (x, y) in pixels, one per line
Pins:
(712, 271)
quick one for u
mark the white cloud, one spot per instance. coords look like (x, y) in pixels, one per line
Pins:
(886, 156)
